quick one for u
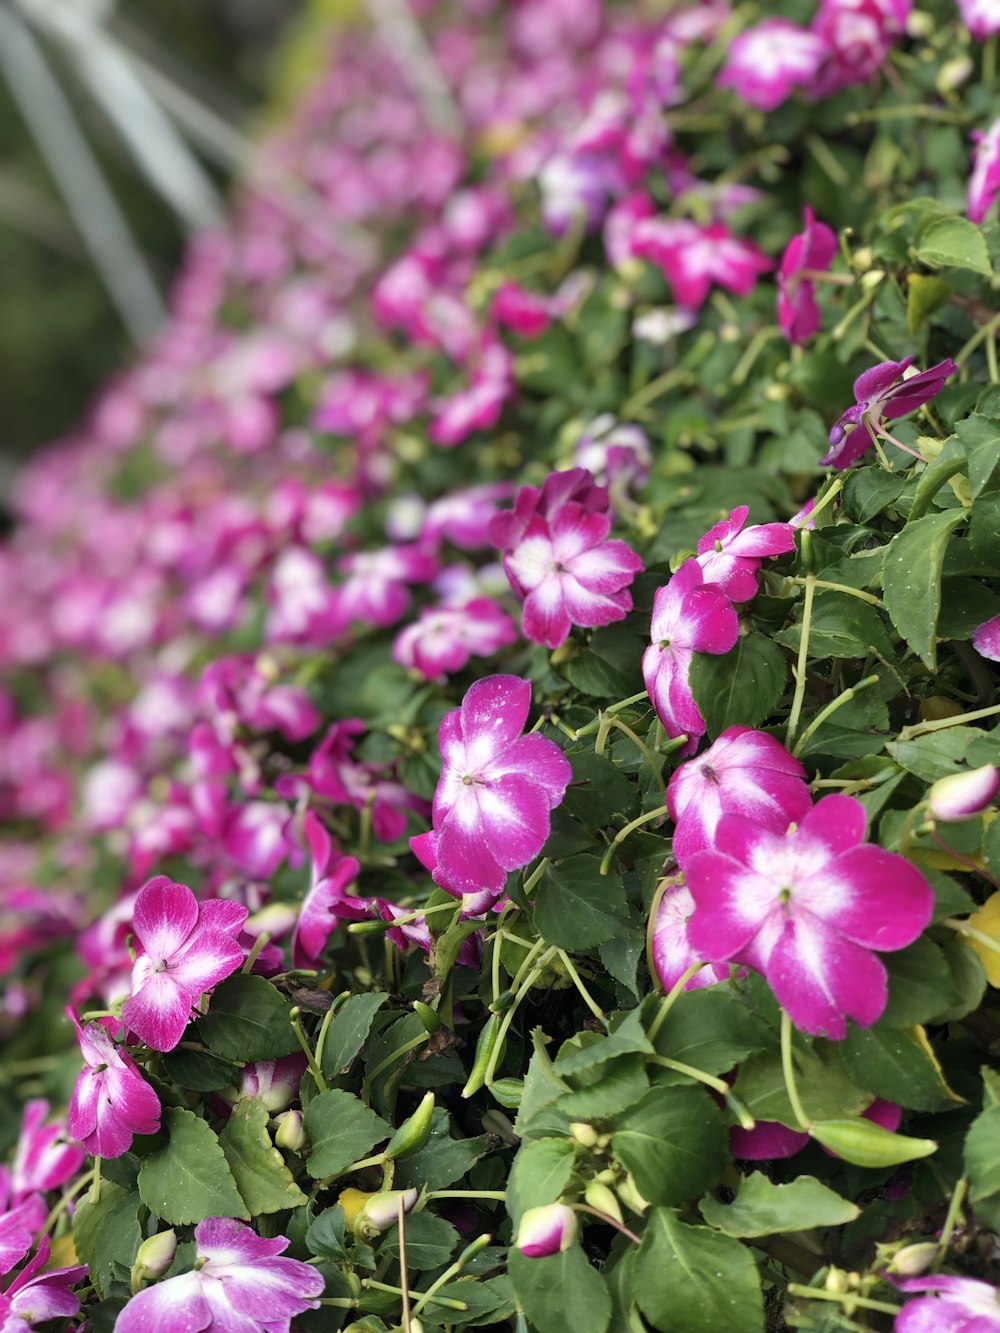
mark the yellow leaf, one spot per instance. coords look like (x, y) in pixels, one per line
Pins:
(986, 923)
(919, 1035)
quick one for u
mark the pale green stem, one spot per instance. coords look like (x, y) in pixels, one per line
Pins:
(585, 994)
(788, 1069)
(451, 1271)
(844, 697)
(941, 723)
(849, 1299)
(637, 404)
(446, 1301)
(828, 497)
(607, 712)
(862, 596)
(508, 1018)
(300, 1037)
(985, 331)
(963, 928)
(258, 944)
(637, 741)
(670, 998)
(954, 1212)
(716, 1084)
(622, 834)
(800, 667)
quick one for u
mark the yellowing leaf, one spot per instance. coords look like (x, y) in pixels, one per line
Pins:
(986, 923)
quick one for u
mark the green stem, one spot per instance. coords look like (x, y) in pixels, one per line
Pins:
(800, 666)
(258, 944)
(756, 345)
(452, 1270)
(391, 1060)
(446, 1301)
(954, 1211)
(637, 741)
(606, 1217)
(963, 928)
(849, 1299)
(314, 1068)
(498, 1195)
(827, 161)
(653, 390)
(607, 712)
(716, 1084)
(828, 496)
(862, 596)
(622, 834)
(585, 994)
(535, 876)
(985, 331)
(670, 999)
(941, 723)
(508, 1018)
(844, 697)
(788, 1069)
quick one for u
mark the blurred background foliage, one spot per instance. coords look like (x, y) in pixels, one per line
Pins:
(60, 334)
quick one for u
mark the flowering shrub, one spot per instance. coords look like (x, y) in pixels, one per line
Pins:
(499, 755)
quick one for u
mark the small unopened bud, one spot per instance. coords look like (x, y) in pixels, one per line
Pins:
(290, 1133)
(913, 1260)
(382, 1210)
(586, 1135)
(630, 1196)
(600, 1197)
(920, 24)
(546, 1230)
(962, 795)
(837, 1280)
(953, 73)
(154, 1257)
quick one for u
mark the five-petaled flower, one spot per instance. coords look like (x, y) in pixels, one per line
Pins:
(239, 1282)
(111, 1100)
(186, 948)
(953, 1305)
(326, 901)
(808, 253)
(808, 909)
(497, 787)
(730, 553)
(764, 63)
(882, 394)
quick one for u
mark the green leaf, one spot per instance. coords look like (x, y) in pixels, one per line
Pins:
(867, 490)
(924, 296)
(980, 439)
(741, 687)
(864, 1143)
(200, 1071)
(609, 666)
(692, 1280)
(825, 1088)
(628, 1037)
(540, 1173)
(349, 1031)
(895, 1064)
(674, 1144)
(88, 1217)
(576, 907)
(430, 1241)
(258, 1168)
(982, 1164)
(561, 1292)
(953, 242)
(490, 1302)
(248, 1019)
(762, 1208)
(341, 1130)
(920, 984)
(442, 1160)
(189, 1179)
(119, 1236)
(841, 626)
(599, 792)
(622, 1082)
(712, 1030)
(911, 569)
(936, 755)
(984, 529)
(325, 1236)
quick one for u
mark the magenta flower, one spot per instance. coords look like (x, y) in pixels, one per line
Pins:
(963, 795)
(557, 557)
(185, 949)
(730, 553)
(981, 17)
(958, 1305)
(546, 1230)
(375, 591)
(986, 639)
(768, 1141)
(443, 640)
(239, 1283)
(326, 901)
(43, 1159)
(20, 1223)
(812, 251)
(883, 394)
(670, 949)
(525, 313)
(492, 803)
(337, 776)
(807, 909)
(275, 1082)
(617, 454)
(857, 35)
(111, 1100)
(34, 1296)
(764, 63)
(689, 616)
(692, 258)
(744, 773)
(416, 931)
(984, 181)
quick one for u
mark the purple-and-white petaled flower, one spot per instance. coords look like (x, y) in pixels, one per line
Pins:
(811, 251)
(43, 1159)
(670, 949)
(19, 1223)
(745, 772)
(984, 179)
(882, 394)
(240, 1283)
(689, 616)
(981, 17)
(34, 1297)
(692, 258)
(730, 553)
(618, 454)
(963, 795)
(986, 639)
(186, 948)
(808, 909)
(547, 1230)
(956, 1305)
(857, 36)
(497, 787)
(275, 1082)
(445, 637)
(764, 63)
(327, 901)
(111, 1101)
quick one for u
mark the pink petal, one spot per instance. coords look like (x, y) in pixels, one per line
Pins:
(766, 1142)
(544, 618)
(819, 978)
(836, 821)
(165, 914)
(986, 639)
(208, 958)
(158, 1013)
(732, 903)
(710, 623)
(575, 530)
(539, 759)
(177, 1305)
(591, 609)
(514, 816)
(464, 863)
(222, 915)
(496, 706)
(883, 902)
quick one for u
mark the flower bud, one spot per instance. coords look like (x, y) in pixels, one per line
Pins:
(546, 1230)
(600, 1197)
(953, 73)
(585, 1135)
(912, 1260)
(414, 1132)
(382, 1210)
(154, 1257)
(630, 1196)
(290, 1133)
(963, 795)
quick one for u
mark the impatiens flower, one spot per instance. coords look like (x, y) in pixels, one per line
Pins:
(574, 486)
(807, 909)
(744, 773)
(326, 901)
(546, 1230)
(375, 591)
(444, 638)
(19, 1224)
(670, 949)
(689, 616)
(525, 313)
(986, 639)
(239, 1283)
(984, 181)
(958, 1305)
(275, 1082)
(569, 573)
(981, 17)
(336, 775)
(43, 1160)
(857, 35)
(111, 1100)
(730, 553)
(36, 1296)
(617, 454)
(963, 795)
(692, 258)
(811, 251)
(883, 394)
(763, 64)
(185, 949)
(478, 405)
(492, 802)
(416, 931)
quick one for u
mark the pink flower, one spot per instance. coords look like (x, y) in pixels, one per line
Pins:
(810, 252)
(375, 591)
(492, 803)
(807, 909)
(730, 553)
(19, 1224)
(763, 64)
(744, 773)
(963, 795)
(303, 604)
(857, 35)
(337, 776)
(692, 258)
(525, 313)
(478, 405)
(275, 1082)
(984, 182)
(239, 1283)
(185, 948)
(883, 394)
(671, 953)
(444, 638)
(416, 931)
(111, 1100)
(43, 1159)
(562, 563)
(253, 835)
(768, 1141)
(986, 639)
(958, 1305)
(615, 453)
(981, 17)
(326, 902)
(546, 1230)
(576, 486)
(689, 616)
(35, 1297)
